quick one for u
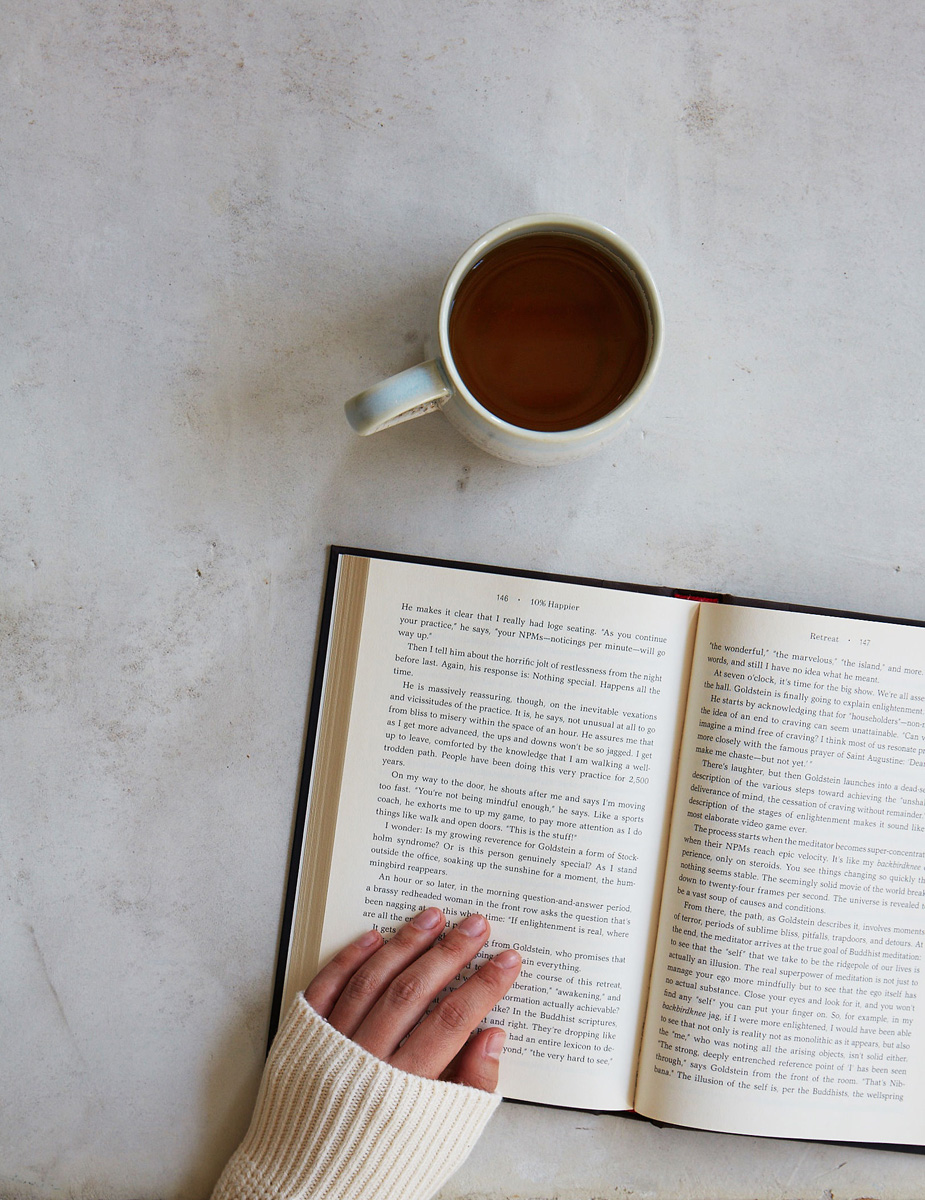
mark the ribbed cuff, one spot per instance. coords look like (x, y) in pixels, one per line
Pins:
(332, 1122)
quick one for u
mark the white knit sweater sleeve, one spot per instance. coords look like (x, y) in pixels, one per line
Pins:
(332, 1122)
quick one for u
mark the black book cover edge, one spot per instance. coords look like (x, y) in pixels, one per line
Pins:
(311, 729)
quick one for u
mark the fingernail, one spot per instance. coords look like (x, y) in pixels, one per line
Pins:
(494, 1043)
(473, 926)
(430, 918)
(507, 959)
(368, 938)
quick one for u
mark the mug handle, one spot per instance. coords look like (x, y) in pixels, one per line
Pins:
(411, 393)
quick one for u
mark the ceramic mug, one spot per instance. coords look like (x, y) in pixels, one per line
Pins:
(521, 263)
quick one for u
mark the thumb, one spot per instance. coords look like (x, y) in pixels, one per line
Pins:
(476, 1065)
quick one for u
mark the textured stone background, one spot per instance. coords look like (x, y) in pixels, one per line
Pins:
(218, 221)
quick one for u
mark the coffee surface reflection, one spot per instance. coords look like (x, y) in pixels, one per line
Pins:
(548, 332)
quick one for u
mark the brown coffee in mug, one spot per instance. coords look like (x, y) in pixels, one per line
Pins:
(549, 332)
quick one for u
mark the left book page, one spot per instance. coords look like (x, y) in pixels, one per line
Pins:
(508, 745)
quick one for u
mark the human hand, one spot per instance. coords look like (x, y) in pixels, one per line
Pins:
(376, 993)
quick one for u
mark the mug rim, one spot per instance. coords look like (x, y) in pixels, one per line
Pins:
(553, 223)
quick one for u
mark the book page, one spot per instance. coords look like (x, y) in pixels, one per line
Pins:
(512, 750)
(787, 988)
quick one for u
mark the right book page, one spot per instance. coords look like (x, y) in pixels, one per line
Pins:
(786, 996)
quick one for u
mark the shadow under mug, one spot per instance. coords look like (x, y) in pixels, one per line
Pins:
(438, 384)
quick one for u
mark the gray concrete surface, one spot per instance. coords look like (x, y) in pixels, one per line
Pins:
(220, 220)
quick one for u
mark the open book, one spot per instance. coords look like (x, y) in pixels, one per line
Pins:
(702, 824)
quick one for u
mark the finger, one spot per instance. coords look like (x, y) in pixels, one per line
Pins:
(364, 987)
(433, 1045)
(328, 984)
(409, 994)
(476, 1065)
